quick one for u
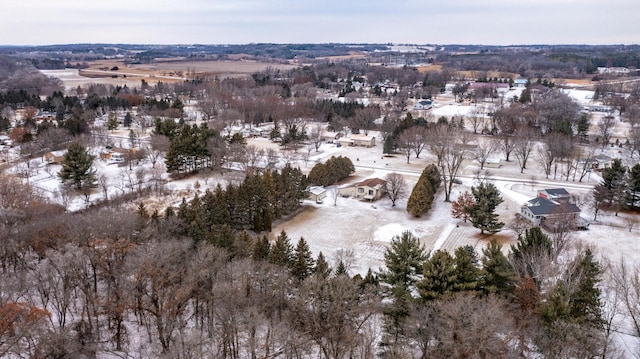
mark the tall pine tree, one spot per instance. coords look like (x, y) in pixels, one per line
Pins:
(482, 211)
(322, 267)
(302, 265)
(282, 251)
(439, 274)
(77, 168)
(499, 275)
(404, 259)
(467, 272)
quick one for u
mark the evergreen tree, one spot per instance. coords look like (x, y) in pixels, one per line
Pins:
(396, 315)
(261, 249)
(482, 212)
(586, 306)
(633, 197)
(403, 259)
(224, 237)
(423, 192)
(77, 168)
(439, 274)
(390, 145)
(322, 267)
(557, 305)
(335, 169)
(281, 252)
(370, 279)
(128, 119)
(433, 174)
(532, 248)
(467, 273)
(302, 266)
(614, 186)
(112, 122)
(613, 175)
(525, 96)
(242, 245)
(583, 128)
(341, 269)
(499, 275)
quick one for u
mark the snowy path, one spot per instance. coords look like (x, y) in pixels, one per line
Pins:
(443, 236)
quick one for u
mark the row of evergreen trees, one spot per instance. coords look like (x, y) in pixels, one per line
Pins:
(254, 204)
(332, 171)
(423, 192)
(567, 296)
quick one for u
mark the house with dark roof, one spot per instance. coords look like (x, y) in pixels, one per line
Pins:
(552, 208)
(423, 105)
(370, 189)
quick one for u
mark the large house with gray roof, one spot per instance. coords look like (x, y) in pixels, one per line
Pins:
(552, 208)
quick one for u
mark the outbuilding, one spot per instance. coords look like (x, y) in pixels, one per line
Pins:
(317, 193)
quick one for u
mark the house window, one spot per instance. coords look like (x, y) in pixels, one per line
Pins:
(371, 192)
(360, 190)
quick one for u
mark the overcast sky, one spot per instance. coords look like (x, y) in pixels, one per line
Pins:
(489, 22)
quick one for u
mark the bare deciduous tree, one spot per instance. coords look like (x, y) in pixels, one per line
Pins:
(159, 144)
(483, 151)
(449, 144)
(584, 163)
(334, 193)
(606, 126)
(315, 136)
(396, 187)
(545, 158)
(523, 146)
(507, 143)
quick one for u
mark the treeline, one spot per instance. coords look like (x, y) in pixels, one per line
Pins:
(187, 282)
(332, 171)
(515, 305)
(330, 110)
(254, 204)
(424, 191)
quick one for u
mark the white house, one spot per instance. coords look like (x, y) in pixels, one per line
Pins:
(552, 209)
(423, 105)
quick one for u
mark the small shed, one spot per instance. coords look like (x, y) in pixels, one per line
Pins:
(317, 193)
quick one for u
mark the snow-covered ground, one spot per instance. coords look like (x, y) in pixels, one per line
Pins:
(359, 232)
